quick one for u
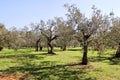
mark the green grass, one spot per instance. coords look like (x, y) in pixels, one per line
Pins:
(62, 66)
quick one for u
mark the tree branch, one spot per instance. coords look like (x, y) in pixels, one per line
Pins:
(54, 37)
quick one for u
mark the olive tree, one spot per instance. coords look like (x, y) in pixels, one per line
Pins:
(14, 38)
(39, 38)
(84, 26)
(65, 33)
(100, 38)
(114, 33)
(3, 33)
(48, 31)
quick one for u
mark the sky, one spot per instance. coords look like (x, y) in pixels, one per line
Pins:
(20, 13)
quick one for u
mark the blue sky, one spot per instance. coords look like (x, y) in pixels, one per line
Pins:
(22, 12)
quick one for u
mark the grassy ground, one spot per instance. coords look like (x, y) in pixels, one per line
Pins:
(62, 66)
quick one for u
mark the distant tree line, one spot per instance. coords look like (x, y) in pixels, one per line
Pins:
(99, 31)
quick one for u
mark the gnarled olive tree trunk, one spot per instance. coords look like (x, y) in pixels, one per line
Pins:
(64, 47)
(85, 58)
(118, 52)
(50, 51)
(85, 50)
(37, 46)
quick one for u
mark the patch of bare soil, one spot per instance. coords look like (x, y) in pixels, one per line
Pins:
(14, 77)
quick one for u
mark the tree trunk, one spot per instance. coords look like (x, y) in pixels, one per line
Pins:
(36, 48)
(37, 45)
(85, 51)
(64, 48)
(41, 48)
(1, 48)
(118, 52)
(85, 59)
(51, 49)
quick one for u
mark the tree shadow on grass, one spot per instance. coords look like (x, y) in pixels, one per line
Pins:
(46, 54)
(98, 58)
(48, 70)
(72, 49)
(110, 60)
(114, 61)
(55, 50)
(22, 56)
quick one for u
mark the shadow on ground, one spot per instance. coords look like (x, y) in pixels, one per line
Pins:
(22, 56)
(74, 49)
(48, 70)
(110, 60)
